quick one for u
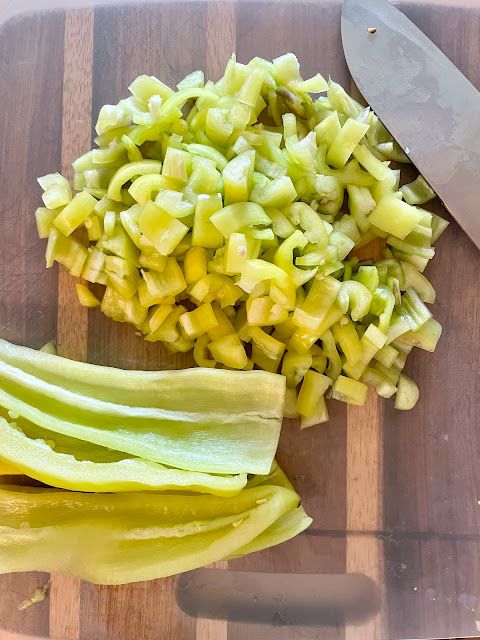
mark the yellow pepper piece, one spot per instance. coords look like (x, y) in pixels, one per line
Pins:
(168, 331)
(168, 282)
(229, 351)
(156, 317)
(236, 254)
(127, 172)
(239, 215)
(75, 213)
(263, 311)
(44, 219)
(197, 322)
(204, 233)
(223, 328)
(313, 386)
(86, 297)
(295, 366)
(267, 352)
(349, 391)
(201, 352)
(237, 177)
(66, 251)
(195, 264)
(163, 231)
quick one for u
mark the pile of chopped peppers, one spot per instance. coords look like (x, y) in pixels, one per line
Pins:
(147, 474)
(227, 217)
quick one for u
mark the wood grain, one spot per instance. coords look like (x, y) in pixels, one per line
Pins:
(72, 322)
(394, 496)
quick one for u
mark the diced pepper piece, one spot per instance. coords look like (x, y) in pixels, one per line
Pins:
(368, 276)
(361, 204)
(75, 213)
(161, 229)
(345, 142)
(415, 280)
(127, 172)
(295, 366)
(201, 353)
(286, 68)
(375, 167)
(328, 129)
(57, 192)
(350, 391)
(236, 254)
(177, 164)
(279, 192)
(217, 125)
(425, 337)
(386, 355)
(382, 385)
(320, 414)
(290, 410)
(283, 258)
(281, 225)
(66, 251)
(168, 331)
(145, 187)
(394, 216)
(49, 347)
(439, 225)
(204, 177)
(210, 153)
(314, 227)
(229, 351)
(238, 216)
(407, 393)
(372, 341)
(267, 352)
(205, 234)
(217, 287)
(168, 282)
(156, 317)
(86, 297)
(418, 191)
(237, 177)
(44, 219)
(263, 312)
(356, 297)
(199, 321)
(313, 386)
(346, 336)
(195, 264)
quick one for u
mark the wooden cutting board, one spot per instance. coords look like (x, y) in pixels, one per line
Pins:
(395, 496)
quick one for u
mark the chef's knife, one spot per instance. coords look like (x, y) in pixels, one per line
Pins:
(429, 107)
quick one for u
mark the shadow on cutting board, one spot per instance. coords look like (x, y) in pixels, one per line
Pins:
(277, 598)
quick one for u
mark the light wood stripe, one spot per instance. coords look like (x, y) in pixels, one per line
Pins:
(364, 550)
(221, 36)
(72, 331)
(76, 139)
(221, 43)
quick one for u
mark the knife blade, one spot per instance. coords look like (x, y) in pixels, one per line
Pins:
(426, 103)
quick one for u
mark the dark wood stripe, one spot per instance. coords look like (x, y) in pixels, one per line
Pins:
(31, 77)
(431, 485)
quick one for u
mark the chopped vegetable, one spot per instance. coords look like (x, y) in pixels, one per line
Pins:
(225, 218)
